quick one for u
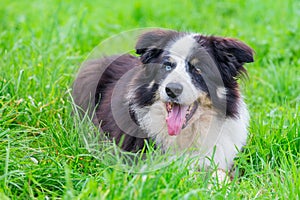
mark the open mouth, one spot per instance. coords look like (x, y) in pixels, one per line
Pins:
(179, 116)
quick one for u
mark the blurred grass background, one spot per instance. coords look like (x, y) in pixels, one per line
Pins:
(42, 44)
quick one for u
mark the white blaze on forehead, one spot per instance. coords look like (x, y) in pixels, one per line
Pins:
(183, 46)
(179, 52)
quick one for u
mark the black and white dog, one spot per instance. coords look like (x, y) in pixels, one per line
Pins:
(180, 92)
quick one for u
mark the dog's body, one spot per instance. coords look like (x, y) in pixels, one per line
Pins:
(181, 92)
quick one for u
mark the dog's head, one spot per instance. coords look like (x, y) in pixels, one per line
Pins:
(186, 71)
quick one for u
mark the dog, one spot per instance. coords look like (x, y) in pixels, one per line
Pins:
(180, 91)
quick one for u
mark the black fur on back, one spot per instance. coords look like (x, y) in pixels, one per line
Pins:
(117, 67)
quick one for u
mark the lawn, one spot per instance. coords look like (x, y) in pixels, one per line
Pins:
(43, 43)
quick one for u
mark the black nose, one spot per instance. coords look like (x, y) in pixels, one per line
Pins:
(173, 90)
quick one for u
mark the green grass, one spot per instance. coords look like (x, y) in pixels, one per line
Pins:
(42, 44)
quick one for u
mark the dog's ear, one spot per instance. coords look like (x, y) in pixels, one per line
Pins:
(228, 52)
(235, 48)
(151, 44)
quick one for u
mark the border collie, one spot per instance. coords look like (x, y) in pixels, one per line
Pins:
(181, 92)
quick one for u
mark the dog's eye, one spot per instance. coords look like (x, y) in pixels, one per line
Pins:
(197, 70)
(168, 66)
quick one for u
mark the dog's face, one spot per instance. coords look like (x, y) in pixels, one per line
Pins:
(185, 72)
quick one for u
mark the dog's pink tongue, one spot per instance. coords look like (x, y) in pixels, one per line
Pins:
(176, 119)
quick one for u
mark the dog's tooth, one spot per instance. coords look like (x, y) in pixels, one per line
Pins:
(189, 109)
(169, 106)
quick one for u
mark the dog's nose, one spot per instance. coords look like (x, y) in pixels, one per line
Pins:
(173, 90)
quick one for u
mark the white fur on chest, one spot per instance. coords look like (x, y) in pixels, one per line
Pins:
(208, 135)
